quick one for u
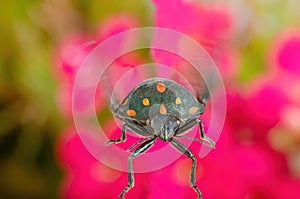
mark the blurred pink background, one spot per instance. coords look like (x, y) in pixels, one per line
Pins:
(258, 54)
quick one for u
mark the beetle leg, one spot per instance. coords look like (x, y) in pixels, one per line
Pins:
(138, 151)
(121, 139)
(138, 142)
(183, 149)
(204, 137)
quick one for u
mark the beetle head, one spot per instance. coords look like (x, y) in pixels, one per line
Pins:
(164, 126)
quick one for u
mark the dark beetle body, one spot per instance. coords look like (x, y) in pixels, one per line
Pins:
(160, 108)
(147, 89)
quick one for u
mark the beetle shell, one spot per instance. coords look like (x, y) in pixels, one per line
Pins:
(159, 96)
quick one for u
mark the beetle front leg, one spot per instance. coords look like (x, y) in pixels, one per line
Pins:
(203, 135)
(121, 139)
(138, 151)
(183, 149)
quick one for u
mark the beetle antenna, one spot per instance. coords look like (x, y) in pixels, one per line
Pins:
(214, 49)
(197, 140)
(203, 95)
(108, 89)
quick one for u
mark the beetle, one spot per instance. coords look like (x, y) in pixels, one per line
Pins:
(159, 108)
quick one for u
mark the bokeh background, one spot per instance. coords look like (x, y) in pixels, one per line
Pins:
(44, 42)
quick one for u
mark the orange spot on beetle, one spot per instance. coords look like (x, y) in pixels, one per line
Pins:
(162, 109)
(161, 87)
(131, 113)
(178, 100)
(193, 110)
(146, 102)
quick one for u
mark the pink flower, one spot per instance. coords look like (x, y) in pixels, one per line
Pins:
(117, 24)
(87, 178)
(192, 18)
(244, 164)
(253, 115)
(69, 58)
(288, 53)
(207, 25)
(285, 52)
(245, 171)
(255, 118)
(71, 54)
